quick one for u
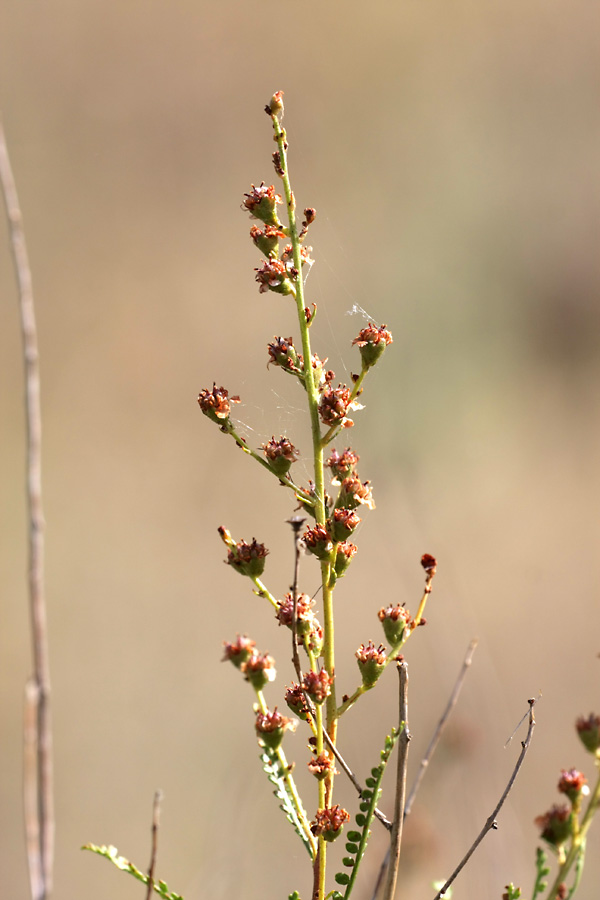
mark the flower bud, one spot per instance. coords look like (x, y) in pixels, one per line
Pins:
(272, 275)
(321, 766)
(573, 783)
(295, 699)
(353, 493)
(267, 240)
(283, 353)
(371, 662)
(247, 559)
(304, 614)
(342, 465)
(275, 105)
(317, 685)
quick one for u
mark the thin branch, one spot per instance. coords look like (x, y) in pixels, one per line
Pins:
(296, 522)
(41, 677)
(155, 823)
(400, 798)
(441, 725)
(430, 749)
(491, 822)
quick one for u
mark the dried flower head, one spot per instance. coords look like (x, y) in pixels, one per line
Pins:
(345, 553)
(354, 492)
(371, 662)
(261, 203)
(271, 726)
(556, 825)
(295, 699)
(394, 620)
(573, 783)
(259, 670)
(304, 614)
(281, 454)
(342, 523)
(267, 239)
(343, 464)
(216, 404)
(371, 342)
(318, 541)
(283, 353)
(320, 766)
(272, 275)
(588, 730)
(429, 563)
(334, 404)
(329, 822)
(317, 685)
(240, 651)
(248, 558)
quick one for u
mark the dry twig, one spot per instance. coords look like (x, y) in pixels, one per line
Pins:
(38, 770)
(400, 798)
(155, 823)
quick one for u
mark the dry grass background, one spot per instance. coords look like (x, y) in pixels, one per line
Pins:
(451, 151)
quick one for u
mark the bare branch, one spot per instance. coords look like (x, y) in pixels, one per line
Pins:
(491, 822)
(441, 725)
(155, 823)
(41, 889)
(400, 798)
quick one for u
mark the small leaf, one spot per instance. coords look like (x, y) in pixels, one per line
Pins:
(342, 878)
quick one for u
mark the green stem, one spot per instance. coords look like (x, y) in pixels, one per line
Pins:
(262, 591)
(312, 392)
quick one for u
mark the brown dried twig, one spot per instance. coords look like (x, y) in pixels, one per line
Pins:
(38, 769)
(400, 798)
(155, 823)
(491, 822)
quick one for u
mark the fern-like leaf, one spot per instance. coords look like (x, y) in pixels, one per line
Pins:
(273, 770)
(356, 841)
(111, 853)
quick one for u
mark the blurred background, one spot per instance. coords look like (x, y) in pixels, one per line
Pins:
(451, 152)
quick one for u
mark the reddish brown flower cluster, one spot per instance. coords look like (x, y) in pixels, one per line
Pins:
(555, 825)
(261, 203)
(394, 620)
(317, 685)
(267, 239)
(317, 540)
(572, 783)
(240, 651)
(216, 404)
(259, 669)
(342, 523)
(272, 275)
(371, 662)
(271, 726)
(283, 353)
(334, 404)
(321, 766)
(371, 342)
(248, 559)
(329, 822)
(354, 492)
(343, 464)
(429, 563)
(304, 614)
(295, 699)
(588, 730)
(345, 553)
(281, 454)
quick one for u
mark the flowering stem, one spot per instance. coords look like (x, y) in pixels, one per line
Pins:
(578, 843)
(332, 432)
(326, 787)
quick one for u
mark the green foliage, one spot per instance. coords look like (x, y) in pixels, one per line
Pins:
(120, 862)
(512, 892)
(356, 841)
(272, 767)
(541, 871)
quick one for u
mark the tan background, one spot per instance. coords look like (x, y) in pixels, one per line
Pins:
(451, 150)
